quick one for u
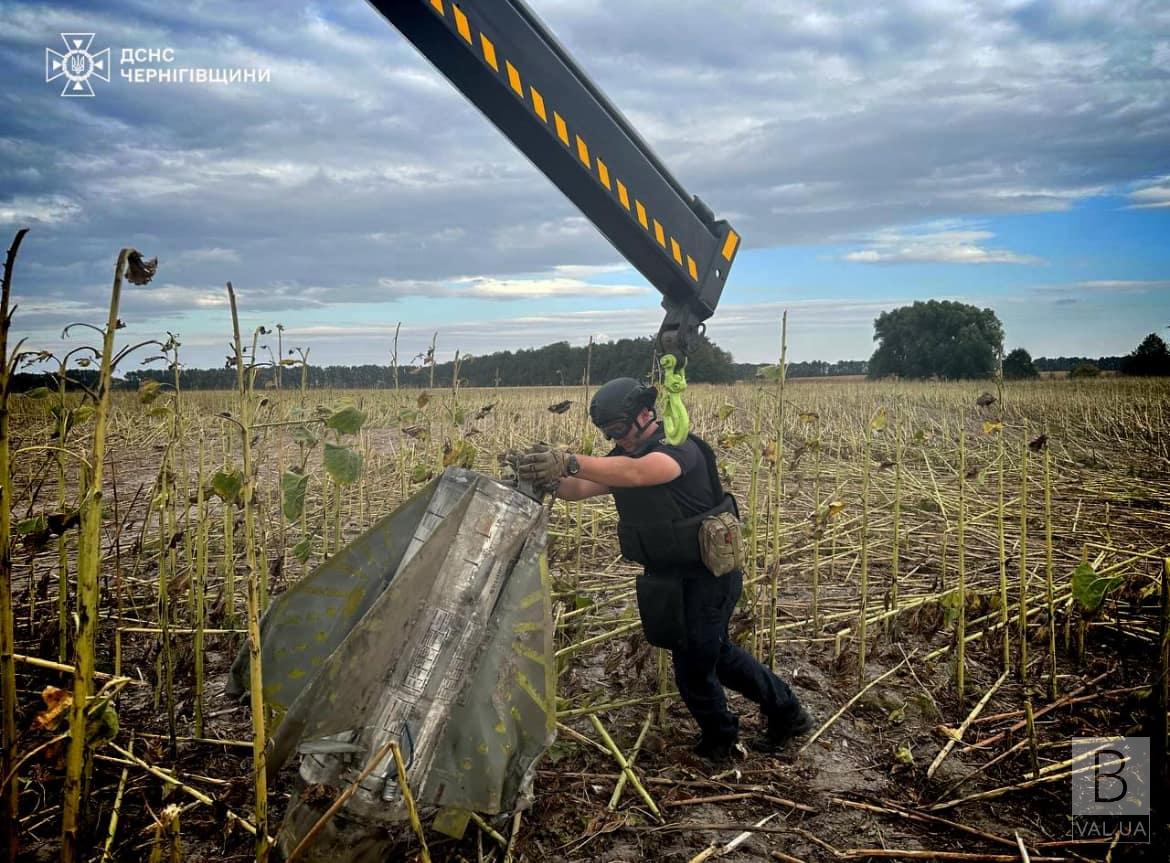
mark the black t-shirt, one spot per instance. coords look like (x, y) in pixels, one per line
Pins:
(691, 489)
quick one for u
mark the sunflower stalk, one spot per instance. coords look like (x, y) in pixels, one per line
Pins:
(256, 677)
(9, 814)
(89, 555)
(1049, 590)
(200, 588)
(961, 588)
(896, 539)
(777, 488)
(1022, 637)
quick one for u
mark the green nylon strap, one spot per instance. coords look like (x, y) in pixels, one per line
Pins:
(675, 421)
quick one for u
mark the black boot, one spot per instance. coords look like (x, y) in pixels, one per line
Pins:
(782, 730)
(717, 750)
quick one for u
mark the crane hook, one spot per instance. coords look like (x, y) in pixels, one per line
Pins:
(675, 421)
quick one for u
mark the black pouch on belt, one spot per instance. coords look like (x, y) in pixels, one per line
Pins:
(660, 605)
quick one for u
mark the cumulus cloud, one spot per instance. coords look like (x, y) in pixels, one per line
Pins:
(169, 297)
(213, 255)
(1096, 290)
(953, 246)
(1125, 286)
(512, 289)
(482, 288)
(38, 210)
(1153, 196)
(583, 271)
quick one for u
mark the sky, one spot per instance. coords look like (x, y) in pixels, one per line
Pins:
(1011, 155)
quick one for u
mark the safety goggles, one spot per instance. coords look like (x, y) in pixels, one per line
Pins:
(617, 429)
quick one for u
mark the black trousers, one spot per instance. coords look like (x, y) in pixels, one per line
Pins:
(711, 661)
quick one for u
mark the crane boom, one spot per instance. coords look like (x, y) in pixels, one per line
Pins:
(503, 59)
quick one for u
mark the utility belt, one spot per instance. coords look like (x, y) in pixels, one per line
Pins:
(713, 539)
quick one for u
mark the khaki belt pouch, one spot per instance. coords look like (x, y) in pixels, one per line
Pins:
(721, 543)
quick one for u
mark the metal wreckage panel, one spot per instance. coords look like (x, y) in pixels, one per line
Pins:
(433, 628)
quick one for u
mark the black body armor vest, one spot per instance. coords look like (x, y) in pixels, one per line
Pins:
(652, 529)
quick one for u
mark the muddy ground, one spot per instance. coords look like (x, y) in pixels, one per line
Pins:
(860, 785)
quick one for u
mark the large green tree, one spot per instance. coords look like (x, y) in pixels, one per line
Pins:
(937, 337)
(1148, 359)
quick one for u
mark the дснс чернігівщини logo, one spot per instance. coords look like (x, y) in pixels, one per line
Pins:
(77, 64)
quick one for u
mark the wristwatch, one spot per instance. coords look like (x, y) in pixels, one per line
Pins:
(572, 466)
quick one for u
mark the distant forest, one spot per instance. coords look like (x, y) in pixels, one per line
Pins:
(557, 364)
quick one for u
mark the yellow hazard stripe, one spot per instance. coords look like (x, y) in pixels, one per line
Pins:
(461, 24)
(642, 215)
(676, 251)
(514, 80)
(583, 152)
(489, 52)
(692, 269)
(729, 244)
(438, 4)
(603, 174)
(623, 195)
(562, 130)
(538, 103)
(658, 234)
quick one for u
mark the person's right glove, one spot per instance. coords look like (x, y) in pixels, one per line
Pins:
(542, 466)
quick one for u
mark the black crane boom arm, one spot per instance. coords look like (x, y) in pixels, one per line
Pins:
(502, 58)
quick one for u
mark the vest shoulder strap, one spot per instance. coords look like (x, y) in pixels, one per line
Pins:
(712, 469)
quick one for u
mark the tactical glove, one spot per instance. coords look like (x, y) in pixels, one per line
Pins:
(510, 474)
(542, 466)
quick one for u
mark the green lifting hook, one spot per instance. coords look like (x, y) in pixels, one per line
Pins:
(675, 420)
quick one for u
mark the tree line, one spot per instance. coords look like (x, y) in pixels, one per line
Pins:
(557, 364)
(935, 338)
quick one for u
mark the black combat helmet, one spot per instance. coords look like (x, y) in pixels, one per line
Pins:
(619, 402)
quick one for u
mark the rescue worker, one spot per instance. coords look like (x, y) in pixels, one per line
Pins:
(662, 494)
